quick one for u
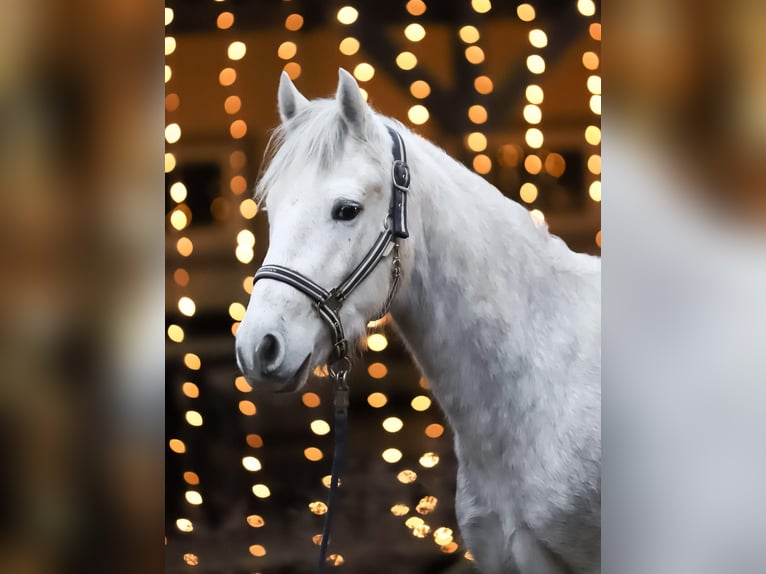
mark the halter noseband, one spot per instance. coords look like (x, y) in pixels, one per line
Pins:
(328, 303)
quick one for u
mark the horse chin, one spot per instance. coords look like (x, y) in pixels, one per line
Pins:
(297, 379)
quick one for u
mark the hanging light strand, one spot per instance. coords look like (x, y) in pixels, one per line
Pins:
(414, 32)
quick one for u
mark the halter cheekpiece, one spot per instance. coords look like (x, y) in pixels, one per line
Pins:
(328, 305)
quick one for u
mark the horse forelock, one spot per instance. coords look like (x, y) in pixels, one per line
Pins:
(312, 140)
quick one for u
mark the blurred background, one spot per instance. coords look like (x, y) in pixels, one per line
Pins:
(513, 90)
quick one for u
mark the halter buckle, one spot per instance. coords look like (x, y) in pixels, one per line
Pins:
(333, 301)
(400, 175)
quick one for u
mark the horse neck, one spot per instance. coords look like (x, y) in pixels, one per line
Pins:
(478, 267)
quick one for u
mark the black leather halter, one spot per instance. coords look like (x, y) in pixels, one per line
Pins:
(328, 305)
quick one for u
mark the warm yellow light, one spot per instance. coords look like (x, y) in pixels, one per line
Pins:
(538, 38)
(555, 164)
(244, 254)
(593, 135)
(251, 463)
(191, 477)
(483, 85)
(168, 16)
(175, 333)
(595, 31)
(178, 219)
(416, 7)
(238, 129)
(392, 424)
(595, 104)
(537, 216)
(311, 400)
(534, 94)
(347, 15)
(525, 12)
(225, 20)
(287, 50)
(232, 104)
(377, 370)
(377, 400)
(364, 72)
(434, 430)
(184, 525)
(429, 460)
(245, 237)
(247, 408)
(320, 427)
(181, 277)
(594, 164)
(598, 238)
(293, 70)
(255, 520)
(248, 208)
(392, 455)
(313, 454)
(172, 101)
(534, 138)
(254, 441)
(172, 133)
(377, 342)
(535, 64)
(476, 141)
(193, 418)
(590, 60)
(178, 192)
(294, 22)
(170, 45)
(406, 60)
(474, 54)
(426, 505)
(193, 497)
(533, 114)
(481, 6)
(418, 114)
(414, 32)
(190, 390)
(236, 50)
(184, 246)
(482, 164)
(528, 192)
(191, 559)
(477, 114)
(399, 509)
(170, 162)
(594, 191)
(257, 550)
(407, 476)
(443, 536)
(420, 403)
(586, 7)
(242, 385)
(261, 491)
(192, 361)
(318, 507)
(349, 46)
(238, 183)
(335, 559)
(186, 306)
(227, 76)
(177, 445)
(237, 311)
(237, 159)
(594, 84)
(168, 73)
(533, 164)
(420, 89)
(469, 34)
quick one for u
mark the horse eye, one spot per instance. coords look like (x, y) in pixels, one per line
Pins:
(346, 211)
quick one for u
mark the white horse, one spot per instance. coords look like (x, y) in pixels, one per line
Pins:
(502, 318)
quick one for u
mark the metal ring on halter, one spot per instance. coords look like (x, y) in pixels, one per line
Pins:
(339, 373)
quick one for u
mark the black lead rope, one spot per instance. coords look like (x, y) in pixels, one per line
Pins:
(338, 460)
(328, 304)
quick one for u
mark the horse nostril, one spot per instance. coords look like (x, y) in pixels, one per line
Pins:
(269, 353)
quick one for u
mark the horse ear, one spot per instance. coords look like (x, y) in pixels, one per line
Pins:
(353, 108)
(290, 100)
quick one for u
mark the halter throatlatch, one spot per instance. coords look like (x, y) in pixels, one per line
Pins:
(328, 305)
